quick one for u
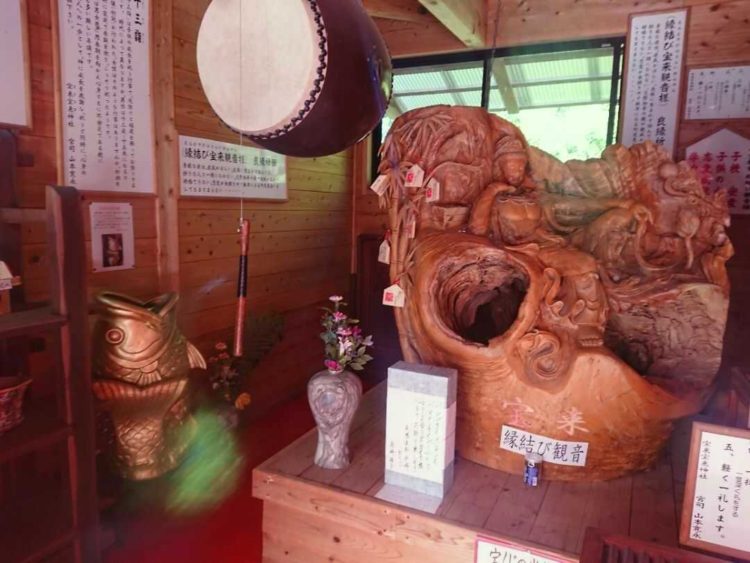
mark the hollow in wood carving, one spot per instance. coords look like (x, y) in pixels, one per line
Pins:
(582, 301)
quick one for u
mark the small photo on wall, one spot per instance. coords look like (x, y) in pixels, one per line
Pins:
(112, 244)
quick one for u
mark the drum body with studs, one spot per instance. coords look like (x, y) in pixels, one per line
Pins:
(299, 77)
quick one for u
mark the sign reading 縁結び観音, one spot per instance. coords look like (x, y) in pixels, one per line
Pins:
(105, 60)
(716, 509)
(722, 161)
(560, 452)
(215, 169)
(652, 82)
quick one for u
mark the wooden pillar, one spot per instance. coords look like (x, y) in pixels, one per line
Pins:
(166, 146)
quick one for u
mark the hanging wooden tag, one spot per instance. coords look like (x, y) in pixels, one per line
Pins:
(384, 254)
(380, 184)
(432, 191)
(394, 296)
(414, 177)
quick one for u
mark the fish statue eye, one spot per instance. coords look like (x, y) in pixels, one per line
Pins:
(114, 336)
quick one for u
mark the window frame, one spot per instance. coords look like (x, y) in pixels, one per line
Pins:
(486, 56)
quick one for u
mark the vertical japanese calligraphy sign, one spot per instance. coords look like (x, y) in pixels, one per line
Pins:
(105, 126)
(15, 94)
(716, 506)
(717, 92)
(653, 77)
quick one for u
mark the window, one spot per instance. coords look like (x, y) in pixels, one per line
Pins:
(564, 97)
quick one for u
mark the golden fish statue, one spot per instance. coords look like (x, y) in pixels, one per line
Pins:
(141, 365)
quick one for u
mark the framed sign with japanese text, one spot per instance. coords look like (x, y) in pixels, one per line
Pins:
(718, 93)
(215, 169)
(653, 69)
(722, 161)
(105, 85)
(15, 94)
(716, 506)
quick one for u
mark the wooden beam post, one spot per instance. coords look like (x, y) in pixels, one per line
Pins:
(167, 146)
(500, 72)
(400, 10)
(466, 19)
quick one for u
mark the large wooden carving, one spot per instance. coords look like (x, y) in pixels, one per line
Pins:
(581, 301)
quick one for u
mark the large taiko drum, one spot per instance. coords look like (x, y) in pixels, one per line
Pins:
(299, 77)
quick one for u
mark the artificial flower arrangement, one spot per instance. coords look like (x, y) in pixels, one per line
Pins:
(225, 378)
(345, 346)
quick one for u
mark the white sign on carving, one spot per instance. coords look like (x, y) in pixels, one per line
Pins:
(654, 66)
(14, 94)
(215, 169)
(718, 93)
(722, 160)
(108, 137)
(419, 441)
(721, 502)
(488, 550)
(551, 450)
(112, 240)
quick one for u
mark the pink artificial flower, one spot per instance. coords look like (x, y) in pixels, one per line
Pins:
(335, 298)
(220, 346)
(356, 331)
(338, 316)
(344, 331)
(332, 365)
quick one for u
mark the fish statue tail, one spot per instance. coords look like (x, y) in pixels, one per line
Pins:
(195, 358)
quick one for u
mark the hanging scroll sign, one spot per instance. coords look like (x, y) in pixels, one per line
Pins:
(299, 77)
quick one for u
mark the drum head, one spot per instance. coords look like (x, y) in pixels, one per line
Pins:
(258, 61)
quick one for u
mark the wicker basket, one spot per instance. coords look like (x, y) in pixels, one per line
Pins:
(12, 390)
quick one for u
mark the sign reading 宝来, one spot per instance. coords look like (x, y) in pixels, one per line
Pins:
(105, 60)
(654, 65)
(215, 169)
(551, 450)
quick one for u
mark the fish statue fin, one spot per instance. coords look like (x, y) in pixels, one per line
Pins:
(195, 357)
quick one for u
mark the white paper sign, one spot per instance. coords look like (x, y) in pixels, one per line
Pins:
(105, 57)
(654, 66)
(721, 502)
(419, 440)
(722, 161)
(488, 550)
(112, 241)
(718, 93)
(215, 169)
(552, 450)
(14, 93)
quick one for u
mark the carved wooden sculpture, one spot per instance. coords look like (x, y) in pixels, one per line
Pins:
(583, 301)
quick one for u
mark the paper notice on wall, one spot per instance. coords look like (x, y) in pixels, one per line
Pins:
(652, 82)
(718, 93)
(112, 241)
(105, 61)
(552, 450)
(721, 500)
(216, 169)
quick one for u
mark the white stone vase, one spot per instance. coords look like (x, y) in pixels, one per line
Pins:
(334, 398)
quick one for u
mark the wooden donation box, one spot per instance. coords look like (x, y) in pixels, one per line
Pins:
(420, 430)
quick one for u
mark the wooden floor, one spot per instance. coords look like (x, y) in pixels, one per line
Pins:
(555, 515)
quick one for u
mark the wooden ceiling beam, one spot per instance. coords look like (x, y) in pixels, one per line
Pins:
(399, 10)
(500, 72)
(466, 19)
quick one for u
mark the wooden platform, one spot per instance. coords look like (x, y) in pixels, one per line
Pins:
(312, 514)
